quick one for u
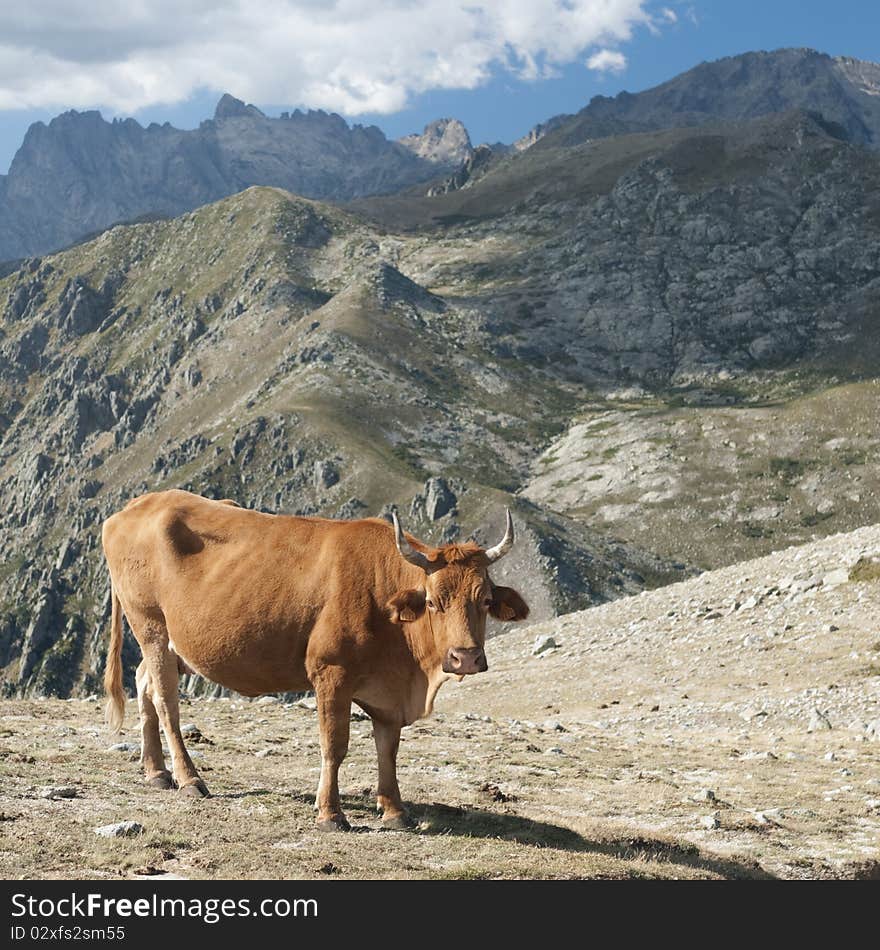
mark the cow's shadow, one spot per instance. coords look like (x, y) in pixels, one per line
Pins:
(475, 822)
(437, 819)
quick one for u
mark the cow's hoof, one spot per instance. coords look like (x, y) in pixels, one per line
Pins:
(401, 822)
(196, 789)
(162, 781)
(336, 823)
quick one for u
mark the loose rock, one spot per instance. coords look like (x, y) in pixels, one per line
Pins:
(121, 829)
(544, 644)
(124, 747)
(52, 792)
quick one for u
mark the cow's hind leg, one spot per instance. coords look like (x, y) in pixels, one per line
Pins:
(334, 713)
(152, 760)
(387, 737)
(162, 666)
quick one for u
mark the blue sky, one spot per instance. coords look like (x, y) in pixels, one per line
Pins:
(548, 77)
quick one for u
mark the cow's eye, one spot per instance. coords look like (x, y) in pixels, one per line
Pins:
(431, 604)
(486, 603)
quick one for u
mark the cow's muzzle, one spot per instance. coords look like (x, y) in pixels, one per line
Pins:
(463, 660)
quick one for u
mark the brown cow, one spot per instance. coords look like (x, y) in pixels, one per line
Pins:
(354, 610)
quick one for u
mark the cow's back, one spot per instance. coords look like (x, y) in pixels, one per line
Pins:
(163, 540)
(238, 590)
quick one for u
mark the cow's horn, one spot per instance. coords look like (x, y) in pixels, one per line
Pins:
(407, 551)
(505, 544)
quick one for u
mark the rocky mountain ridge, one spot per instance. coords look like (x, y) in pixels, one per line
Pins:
(262, 348)
(81, 174)
(843, 90)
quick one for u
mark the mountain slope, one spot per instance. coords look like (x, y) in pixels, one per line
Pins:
(261, 348)
(843, 90)
(716, 292)
(552, 336)
(81, 174)
(662, 258)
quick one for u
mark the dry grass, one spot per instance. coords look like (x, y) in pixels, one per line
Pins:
(712, 485)
(259, 822)
(866, 569)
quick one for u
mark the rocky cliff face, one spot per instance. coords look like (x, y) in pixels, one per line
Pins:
(80, 174)
(444, 141)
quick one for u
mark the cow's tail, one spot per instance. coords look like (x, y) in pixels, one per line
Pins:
(115, 708)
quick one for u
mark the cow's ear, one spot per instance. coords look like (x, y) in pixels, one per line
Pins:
(407, 605)
(508, 605)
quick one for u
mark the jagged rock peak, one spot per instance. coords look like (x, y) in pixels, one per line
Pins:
(444, 141)
(229, 107)
(865, 76)
(390, 286)
(80, 174)
(538, 132)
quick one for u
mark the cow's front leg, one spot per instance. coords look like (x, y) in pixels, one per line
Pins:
(388, 799)
(334, 714)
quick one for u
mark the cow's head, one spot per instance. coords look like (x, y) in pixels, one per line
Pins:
(455, 597)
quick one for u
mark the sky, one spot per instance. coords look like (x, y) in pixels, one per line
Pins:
(500, 66)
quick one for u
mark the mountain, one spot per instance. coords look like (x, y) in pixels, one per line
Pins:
(600, 335)
(714, 295)
(266, 348)
(80, 174)
(843, 90)
(444, 141)
(659, 348)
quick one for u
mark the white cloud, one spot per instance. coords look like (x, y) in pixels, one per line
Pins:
(607, 61)
(669, 15)
(350, 56)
